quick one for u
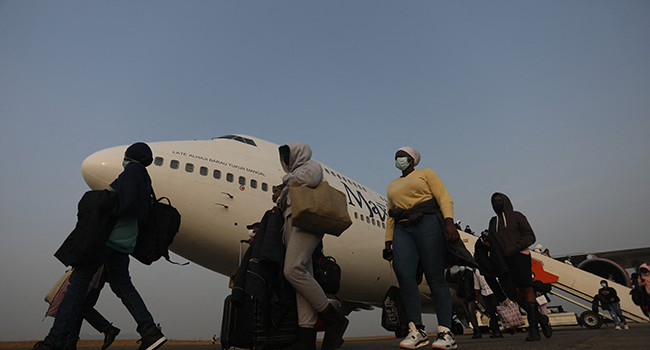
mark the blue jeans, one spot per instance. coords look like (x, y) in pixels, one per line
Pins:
(616, 313)
(425, 243)
(117, 265)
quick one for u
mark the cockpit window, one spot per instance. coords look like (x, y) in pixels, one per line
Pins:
(238, 138)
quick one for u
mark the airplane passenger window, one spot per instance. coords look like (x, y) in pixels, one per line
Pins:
(373, 221)
(383, 225)
(327, 171)
(203, 171)
(158, 161)
(189, 167)
(242, 180)
(356, 216)
(174, 164)
(230, 177)
(216, 174)
(253, 183)
(368, 219)
(265, 186)
(361, 217)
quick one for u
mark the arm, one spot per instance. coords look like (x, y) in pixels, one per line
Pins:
(527, 237)
(440, 193)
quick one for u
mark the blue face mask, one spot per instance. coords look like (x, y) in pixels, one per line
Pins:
(125, 163)
(461, 268)
(402, 163)
(604, 285)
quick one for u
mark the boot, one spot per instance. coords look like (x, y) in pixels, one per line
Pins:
(71, 344)
(335, 326)
(546, 326)
(306, 339)
(477, 334)
(533, 320)
(109, 336)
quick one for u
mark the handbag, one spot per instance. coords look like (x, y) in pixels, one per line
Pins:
(393, 315)
(509, 314)
(320, 209)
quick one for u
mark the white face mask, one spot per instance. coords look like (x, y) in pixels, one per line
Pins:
(461, 268)
(402, 163)
(604, 285)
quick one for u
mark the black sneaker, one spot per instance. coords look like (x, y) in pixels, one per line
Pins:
(152, 341)
(109, 336)
(46, 344)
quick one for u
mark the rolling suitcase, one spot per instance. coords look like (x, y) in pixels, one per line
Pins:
(243, 325)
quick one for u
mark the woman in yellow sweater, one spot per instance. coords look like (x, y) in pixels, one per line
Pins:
(420, 222)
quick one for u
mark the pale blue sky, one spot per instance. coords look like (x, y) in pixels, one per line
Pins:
(546, 101)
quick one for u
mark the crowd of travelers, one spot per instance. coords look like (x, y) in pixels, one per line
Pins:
(421, 235)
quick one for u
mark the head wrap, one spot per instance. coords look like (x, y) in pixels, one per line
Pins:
(413, 153)
(140, 152)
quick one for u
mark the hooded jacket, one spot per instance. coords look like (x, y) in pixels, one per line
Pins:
(296, 161)
(510, 228)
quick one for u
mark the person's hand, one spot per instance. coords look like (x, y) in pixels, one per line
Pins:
(388, 251)
(450, 230)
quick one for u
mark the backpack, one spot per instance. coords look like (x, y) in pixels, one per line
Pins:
(157, 233)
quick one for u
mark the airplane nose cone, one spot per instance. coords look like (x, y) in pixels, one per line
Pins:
(102, 167)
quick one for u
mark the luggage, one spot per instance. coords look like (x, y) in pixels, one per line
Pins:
(246, 325)
(157, 233)
(509, 314)
(393, 315)
(319, 209)
(243, 326)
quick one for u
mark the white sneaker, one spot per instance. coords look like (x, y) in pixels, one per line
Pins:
(625, 327)
(618, 328)
(445, 339)
(415, 339)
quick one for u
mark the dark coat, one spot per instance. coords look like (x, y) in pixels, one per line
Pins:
(95, 222)
(511, 228)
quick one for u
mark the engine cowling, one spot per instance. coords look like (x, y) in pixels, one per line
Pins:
(604, 267)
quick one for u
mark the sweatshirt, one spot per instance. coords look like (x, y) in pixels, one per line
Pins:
(418, 186)
(510, 228)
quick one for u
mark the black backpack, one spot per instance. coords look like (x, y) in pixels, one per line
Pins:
(157, 233)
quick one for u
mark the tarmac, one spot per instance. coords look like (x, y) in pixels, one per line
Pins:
(571, 337)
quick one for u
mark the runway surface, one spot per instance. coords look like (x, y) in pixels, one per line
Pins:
(637, 337)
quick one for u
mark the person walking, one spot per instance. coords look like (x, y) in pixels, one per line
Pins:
(515, 235)
(419, 225)
(300, 244)
(133, 188)
(490, 302)
(88, 312)
(467, 296)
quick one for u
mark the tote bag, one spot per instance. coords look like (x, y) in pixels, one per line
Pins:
(510, 315)
(320, 209)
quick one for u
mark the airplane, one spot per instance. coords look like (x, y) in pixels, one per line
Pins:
(223, 184)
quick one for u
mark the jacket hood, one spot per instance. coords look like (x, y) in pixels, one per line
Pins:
(140, 152)
(507, 204)
(296, 153)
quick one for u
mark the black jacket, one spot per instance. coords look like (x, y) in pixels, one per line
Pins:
(95, 222)
(511, 228)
